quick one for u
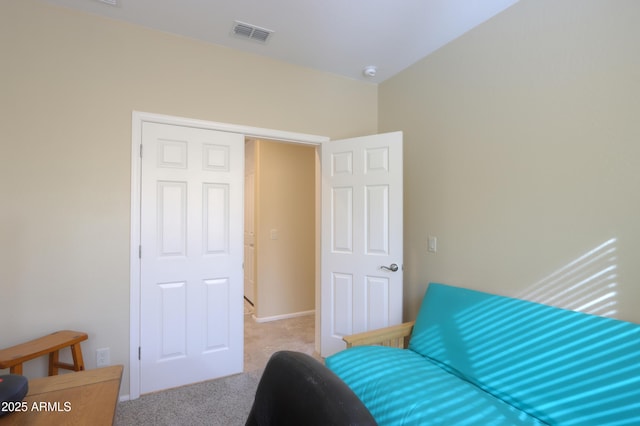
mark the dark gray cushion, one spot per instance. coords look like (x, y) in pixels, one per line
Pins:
(296, 389)
(13, 388)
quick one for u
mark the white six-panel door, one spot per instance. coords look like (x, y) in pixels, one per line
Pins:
(362, 249)
(191, 304)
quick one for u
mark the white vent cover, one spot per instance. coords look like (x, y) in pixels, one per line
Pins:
(250, 32)
(109, 2)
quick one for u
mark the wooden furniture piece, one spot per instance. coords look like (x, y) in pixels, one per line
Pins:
(396, 336)
(50, 344)
(84, 398)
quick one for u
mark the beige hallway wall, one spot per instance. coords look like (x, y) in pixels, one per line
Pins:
(522, 156)
(69, 83)
(285, 226)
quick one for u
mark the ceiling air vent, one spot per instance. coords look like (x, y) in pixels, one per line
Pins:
(250, 32)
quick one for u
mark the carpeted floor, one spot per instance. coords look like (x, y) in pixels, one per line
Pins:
(221, 402)
(263, 339)
(226, 401)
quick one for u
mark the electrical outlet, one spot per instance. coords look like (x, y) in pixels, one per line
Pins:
(102, 357)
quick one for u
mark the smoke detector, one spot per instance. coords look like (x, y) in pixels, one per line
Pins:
(370, 71)
(250, 32)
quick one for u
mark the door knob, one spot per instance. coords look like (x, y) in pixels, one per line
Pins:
(393, 267)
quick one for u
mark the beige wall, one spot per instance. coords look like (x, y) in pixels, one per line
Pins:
(68, 84)
(285, 266)
(522, 154)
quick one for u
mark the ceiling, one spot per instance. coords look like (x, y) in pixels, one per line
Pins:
(336, 36)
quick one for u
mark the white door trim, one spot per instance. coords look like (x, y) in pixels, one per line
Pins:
(134, 269)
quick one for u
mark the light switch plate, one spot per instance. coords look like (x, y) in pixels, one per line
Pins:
(432, 244)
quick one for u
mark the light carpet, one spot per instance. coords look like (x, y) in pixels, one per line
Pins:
(226, 401)
(223, 402)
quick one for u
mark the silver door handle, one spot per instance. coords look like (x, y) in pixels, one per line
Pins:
(393, 267)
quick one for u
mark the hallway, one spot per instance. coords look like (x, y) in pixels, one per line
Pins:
(261, 340)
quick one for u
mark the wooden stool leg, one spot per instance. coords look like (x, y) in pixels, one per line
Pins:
(16, 369)
(53, 363)
(76, 352)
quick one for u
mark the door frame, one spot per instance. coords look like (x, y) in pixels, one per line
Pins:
(137, 119)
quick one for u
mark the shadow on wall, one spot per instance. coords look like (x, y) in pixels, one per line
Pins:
(587, 284)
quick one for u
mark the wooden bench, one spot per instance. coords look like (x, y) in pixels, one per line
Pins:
(51, 344)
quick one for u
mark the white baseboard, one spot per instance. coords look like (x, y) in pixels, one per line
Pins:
(284, 316)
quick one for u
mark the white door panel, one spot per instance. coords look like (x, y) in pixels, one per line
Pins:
(191, 262)
(361, 233)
